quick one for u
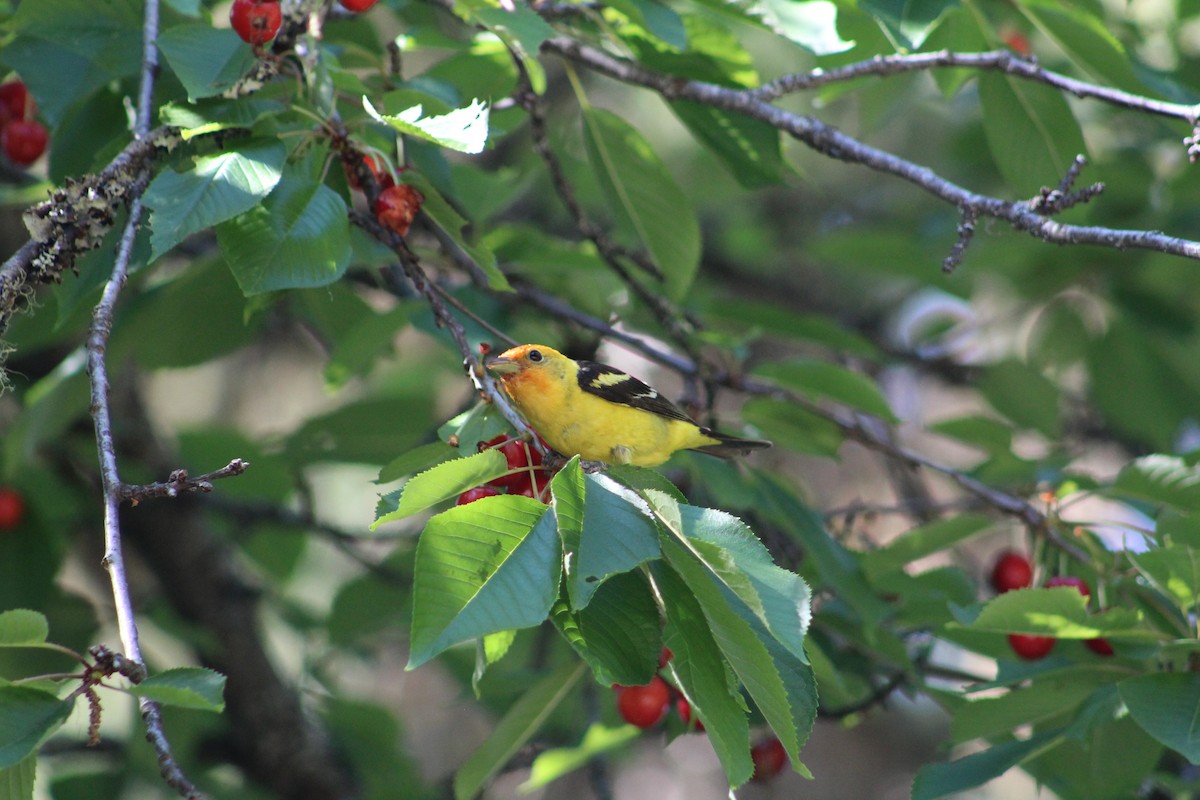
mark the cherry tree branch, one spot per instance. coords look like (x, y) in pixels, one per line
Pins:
(995, 60)
(97, 346)
(1022, 215)
(410, 268)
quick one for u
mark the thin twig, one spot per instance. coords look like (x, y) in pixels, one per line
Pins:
(97, 346)
(409, 268)
(179, 482)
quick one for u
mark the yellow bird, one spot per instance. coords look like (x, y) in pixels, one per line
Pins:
(602, 413)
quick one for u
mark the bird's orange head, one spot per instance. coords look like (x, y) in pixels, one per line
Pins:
(527, 367)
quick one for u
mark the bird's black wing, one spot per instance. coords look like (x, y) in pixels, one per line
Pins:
(615, 386)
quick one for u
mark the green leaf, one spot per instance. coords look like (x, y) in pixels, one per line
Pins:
(657, 19)
(464, 129)
(795, 428)
(907, 22)
(598, 739)
(1161, 479)
(1031, 132)
(206, 60)
(1165, 704)
(1127, 356)
(986, 433)
(703, 675)
(644, 197)
(488, 566)
(748, 148)
(185, 687)
(477, 424)
(27, 718)
(444, 481)
(523, 30)
(1060, 612)
(418, 459)
(1085, 39)
(16, 782)
(819, 379)
(22, 627)
(938, 780)
(1043, 699)
(743, 565)
(203, 300)
(522, 721)
(923, 541)
(1024, 395)
(1173, 570)
(66, 50)
(364, 432)
(299, 237)
(606, 527)
(811, 24)
(780, 320)
(215, 189)
(780, 685)
(207, 116)
(1112, 762)
(617, 633)
(370, 338)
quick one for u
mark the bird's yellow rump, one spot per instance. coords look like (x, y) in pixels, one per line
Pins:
(602, 413)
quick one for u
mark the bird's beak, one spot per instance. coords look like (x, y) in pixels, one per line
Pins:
(503, 366)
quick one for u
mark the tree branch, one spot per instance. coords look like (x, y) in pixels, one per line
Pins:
(828, 140)
(97, 346)
(995, 60)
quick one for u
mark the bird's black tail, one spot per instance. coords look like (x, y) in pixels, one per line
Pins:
(731, 446)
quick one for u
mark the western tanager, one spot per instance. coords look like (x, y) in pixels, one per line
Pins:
(602, 413)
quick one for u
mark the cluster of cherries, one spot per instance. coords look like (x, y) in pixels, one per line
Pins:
(22, 137)
(257, 21)
(397, 204)
(1013, 571)
(647, 705)
(526, 475)
(12, 508)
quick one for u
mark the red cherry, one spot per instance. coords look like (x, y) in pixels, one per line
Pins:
(1070, 580)
(357, 5)
(382, 177)
(24, 141)
(514, 454)
(15, 102)
(1099, 646)
(644, 706)
(769, 759)
(684, 709)
(1012, 571)
(665, 656)
(12, 508)
(256, 21)
(397, 206)
(478, 493)
(1029, 647)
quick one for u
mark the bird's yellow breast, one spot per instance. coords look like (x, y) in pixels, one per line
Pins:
(575, 422)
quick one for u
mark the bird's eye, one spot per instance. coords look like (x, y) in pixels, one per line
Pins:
(535, 356)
